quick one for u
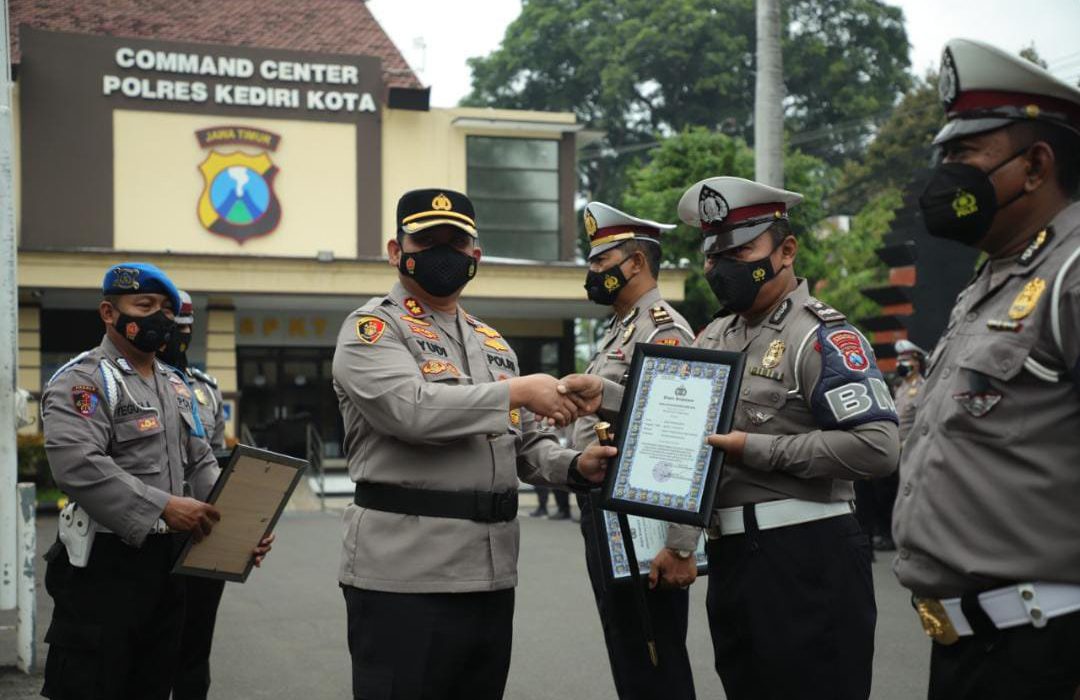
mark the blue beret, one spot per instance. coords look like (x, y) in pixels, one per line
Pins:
(140, 278)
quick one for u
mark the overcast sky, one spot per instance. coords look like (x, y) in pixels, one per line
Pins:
(437, 36)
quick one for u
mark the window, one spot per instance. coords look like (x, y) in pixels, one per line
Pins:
(514, 184)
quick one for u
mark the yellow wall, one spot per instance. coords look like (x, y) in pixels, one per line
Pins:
(426, 149)
(157, 185)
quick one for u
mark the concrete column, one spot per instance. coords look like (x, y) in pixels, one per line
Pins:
(221, 358)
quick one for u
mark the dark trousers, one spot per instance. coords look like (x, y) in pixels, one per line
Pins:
(115, 630)
(633, 672)
(428, 646)
(792, 611)
(203, 595)
(562, 498)
(1021, 663)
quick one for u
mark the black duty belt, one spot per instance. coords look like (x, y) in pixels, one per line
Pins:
(481, 506)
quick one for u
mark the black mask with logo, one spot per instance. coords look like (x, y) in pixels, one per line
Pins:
(175, 350)
(440, 270)
(147, 333)
(903, 369)
(736, 283)
(959, 202)
(603, 287)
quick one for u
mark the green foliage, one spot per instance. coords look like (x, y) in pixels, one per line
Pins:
(33, 464)
(637, 68)
(901, 147)
(655, 188)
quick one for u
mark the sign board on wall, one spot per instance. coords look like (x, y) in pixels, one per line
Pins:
(288, 329)
(154, 146)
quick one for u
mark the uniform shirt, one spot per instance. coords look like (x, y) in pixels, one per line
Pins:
(120, 444)
(652, 320)
(816, 409)
(210, 405)
(906, 395)
(423, 408)
(990, 480)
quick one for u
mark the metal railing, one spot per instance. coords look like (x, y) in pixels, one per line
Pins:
(315, 458)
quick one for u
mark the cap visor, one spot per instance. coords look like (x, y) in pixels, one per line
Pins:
(417, 226)
(958, 128)
(733, 238)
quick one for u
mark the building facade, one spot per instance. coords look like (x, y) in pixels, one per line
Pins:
(260, 167)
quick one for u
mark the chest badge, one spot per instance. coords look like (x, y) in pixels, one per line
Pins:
(148, 423)
(757, 416)
(773, 354)
(486, 331)
(494, 344)
(628, 333)
(425, 332)
(1027, 299)
(417, 321)
(617, 355)
(978, 403)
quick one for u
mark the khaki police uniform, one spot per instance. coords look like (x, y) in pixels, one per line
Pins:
(211, 406)
(651, 320)
(119, 445)
(791, 600)
(905, 398)
(986, 519)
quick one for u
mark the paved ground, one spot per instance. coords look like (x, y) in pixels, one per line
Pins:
(282, 634)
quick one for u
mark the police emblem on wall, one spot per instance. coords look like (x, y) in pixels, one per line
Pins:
(238, 199)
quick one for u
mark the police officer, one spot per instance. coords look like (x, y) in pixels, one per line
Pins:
(624, 263)
(438, 429)
(790, 601)
(911, 359)
(202, 594)
(986, 520)
(123, 442)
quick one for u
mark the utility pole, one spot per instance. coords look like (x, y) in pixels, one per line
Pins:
(769, 97)
(9, 313)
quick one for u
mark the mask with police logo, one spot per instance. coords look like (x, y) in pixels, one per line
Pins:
(603, 287)
(175, 351)
(736, 283)
(959, 202)
(147, 333)
(440, 270)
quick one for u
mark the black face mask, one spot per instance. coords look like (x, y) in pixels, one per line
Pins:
(175, 351)
(904, 370)
(959, 203)
(147, 333)
(736, 283)
(603, 287)
(440, 270)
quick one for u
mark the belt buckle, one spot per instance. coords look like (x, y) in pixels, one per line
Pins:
(935, 621)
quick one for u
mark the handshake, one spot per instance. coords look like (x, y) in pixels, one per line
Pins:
(557, 402)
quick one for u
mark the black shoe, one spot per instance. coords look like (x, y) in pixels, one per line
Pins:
(560, 515)
(540, 512)
(884, 543)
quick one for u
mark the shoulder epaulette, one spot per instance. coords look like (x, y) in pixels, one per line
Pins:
(660, 316)
(68, 365)
(204, 377)
(825, 313)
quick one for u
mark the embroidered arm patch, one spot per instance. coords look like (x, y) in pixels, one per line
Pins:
(850, 390)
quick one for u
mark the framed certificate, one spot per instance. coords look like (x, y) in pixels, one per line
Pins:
(650, 536)
(251, 494)
(674, 398)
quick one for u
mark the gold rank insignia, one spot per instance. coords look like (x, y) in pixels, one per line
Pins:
(1025, 301)
(515, 417)
(417, 321)
(936, 622)
(494, 344)
(489, 332)
(200, 396)
(773, 354)
(673, 342)
(413, 307)
(369, 329)
(660, 316)
(426, 332)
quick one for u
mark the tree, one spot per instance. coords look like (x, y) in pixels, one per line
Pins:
(655, 186)
(639, 69)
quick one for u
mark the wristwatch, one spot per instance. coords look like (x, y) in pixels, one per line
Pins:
(682, 553)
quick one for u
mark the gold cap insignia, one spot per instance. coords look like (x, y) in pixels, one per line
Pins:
(441, 203)
(590, 223)
(1025, 301)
